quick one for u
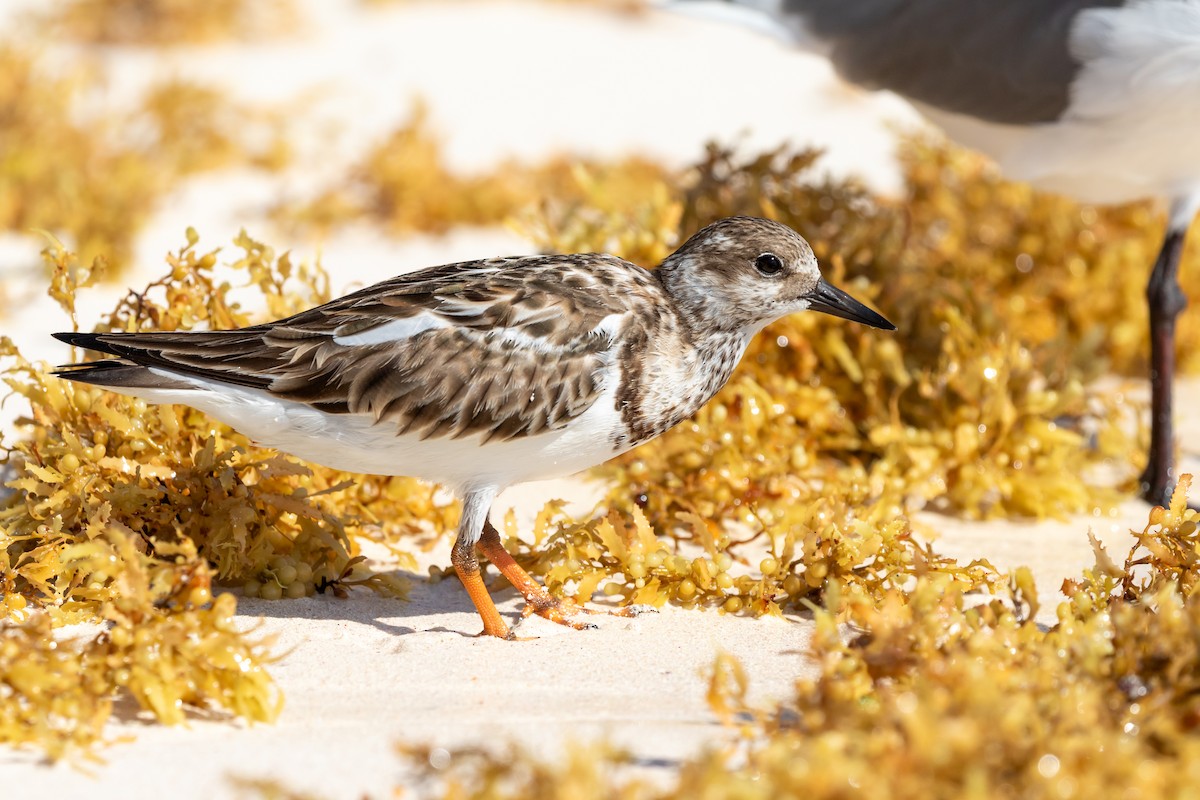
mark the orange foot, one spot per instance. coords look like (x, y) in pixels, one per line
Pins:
(538, 600)
(567, 612)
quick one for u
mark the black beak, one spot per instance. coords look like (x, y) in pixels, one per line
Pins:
(832, 300)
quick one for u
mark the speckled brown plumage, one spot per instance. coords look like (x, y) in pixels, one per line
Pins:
(487, 373)
(459, 380)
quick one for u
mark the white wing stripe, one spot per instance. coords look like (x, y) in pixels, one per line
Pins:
(395, 331)
(402, 329)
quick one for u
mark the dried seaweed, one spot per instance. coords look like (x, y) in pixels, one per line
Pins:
(861, 549)
(168, 643)
(129, 514)
(937, 697)
(95, 181)
(404, 184)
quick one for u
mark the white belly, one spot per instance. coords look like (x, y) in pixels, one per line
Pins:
(355, 443)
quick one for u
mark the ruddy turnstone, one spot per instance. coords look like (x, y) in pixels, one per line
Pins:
(1095, 99)
(488, 373)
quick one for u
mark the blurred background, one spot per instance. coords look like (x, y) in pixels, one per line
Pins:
(352, 131)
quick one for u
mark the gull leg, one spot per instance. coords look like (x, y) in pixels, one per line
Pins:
(539, 601)
(1166, 301)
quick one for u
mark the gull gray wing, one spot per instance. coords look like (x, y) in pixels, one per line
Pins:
(1005, 61)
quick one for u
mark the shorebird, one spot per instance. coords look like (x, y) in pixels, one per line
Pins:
(1095, 99)
(483, 374)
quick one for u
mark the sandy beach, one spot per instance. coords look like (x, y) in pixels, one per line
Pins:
(365, 673)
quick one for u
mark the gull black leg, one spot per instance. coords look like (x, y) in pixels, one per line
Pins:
(1166, 301)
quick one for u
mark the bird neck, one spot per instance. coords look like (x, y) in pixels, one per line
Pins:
(697, 303)
(686, 371)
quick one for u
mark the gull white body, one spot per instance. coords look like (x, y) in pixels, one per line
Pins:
(1129, 129)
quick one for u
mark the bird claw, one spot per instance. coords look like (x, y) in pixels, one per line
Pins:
(636, 610)
(557, 610)
(566, 612)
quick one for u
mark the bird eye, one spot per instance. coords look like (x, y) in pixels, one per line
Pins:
(769, 264)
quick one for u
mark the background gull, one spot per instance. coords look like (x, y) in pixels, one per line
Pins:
(1095, 99)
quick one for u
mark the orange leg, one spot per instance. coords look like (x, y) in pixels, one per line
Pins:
(539, 601)
(467, 567)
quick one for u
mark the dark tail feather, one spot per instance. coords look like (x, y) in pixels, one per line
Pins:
(115, 372)
(111, 372)
(88, 341)
(208, 355)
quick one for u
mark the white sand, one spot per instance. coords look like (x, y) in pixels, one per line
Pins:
(364, 673)
(501, 79)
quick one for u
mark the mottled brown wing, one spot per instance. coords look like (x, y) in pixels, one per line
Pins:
(454, 382)
(503, 348)
(552, 298)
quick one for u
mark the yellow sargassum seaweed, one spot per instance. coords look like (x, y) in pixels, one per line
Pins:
(923, 693)
(167, 22)
(128, 514)
(405, 184)
(168, 643)
(94, 180)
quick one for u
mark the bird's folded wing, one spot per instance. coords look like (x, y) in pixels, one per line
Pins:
(463, 350)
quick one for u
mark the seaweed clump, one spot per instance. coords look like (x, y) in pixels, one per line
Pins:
(95, 181)
(167, 643)
(936, 691)
(935, 696)
(848, 542)
(131, 515)
(404, 184)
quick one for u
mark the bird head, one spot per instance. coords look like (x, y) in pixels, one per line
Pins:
(746, 272)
